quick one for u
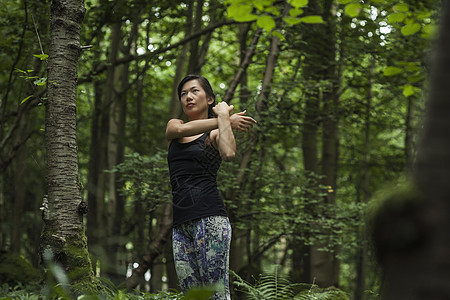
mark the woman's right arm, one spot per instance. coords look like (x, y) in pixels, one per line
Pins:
(177, 128)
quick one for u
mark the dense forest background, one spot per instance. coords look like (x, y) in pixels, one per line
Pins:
(337, 88)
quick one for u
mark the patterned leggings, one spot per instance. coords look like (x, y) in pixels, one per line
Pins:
(201, 251)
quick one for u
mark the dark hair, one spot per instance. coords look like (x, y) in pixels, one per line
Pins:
(205, 85)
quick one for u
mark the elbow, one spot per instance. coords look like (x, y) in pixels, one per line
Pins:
(229, 156)
(174, 133)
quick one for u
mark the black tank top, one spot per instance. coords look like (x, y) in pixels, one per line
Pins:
(193, 170)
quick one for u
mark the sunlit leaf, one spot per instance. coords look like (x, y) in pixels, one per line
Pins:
(410, 29)
(23, 101)
(278, 34)
(396, 17)
(41, 56)
(312, 19)
(423, 15)
(41, 81)
(408, 90)
(291, 20)
(298, 3)
(272, 10)
(344, 1)
(391, 71)
(401, 7)
(294, 12)
(241, 12)
(353, 9)
(266, 22)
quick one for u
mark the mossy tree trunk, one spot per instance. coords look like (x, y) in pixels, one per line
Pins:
(411, 228)
(63, 233)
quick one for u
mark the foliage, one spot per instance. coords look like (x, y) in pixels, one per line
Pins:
(275, 286)
(145, 178)
(381, 52)
(15, 269)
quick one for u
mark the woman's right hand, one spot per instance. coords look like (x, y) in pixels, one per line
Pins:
(240, 122)
(223, 108)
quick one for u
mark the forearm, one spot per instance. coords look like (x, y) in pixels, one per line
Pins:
(178, 129)
(226, 143)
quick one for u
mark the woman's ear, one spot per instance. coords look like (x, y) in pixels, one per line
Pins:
(211, 100)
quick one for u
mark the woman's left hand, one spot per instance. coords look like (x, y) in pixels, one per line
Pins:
(240, 122)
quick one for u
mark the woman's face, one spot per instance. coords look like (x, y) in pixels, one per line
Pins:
(194, 100)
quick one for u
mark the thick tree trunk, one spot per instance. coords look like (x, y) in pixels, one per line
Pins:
(329, 266)
(321, 67)
(63, 234)
(411, 230)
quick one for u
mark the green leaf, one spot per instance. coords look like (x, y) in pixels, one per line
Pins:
(262, 5)
(21, 102)
(265, 22)
(429, 30)
(423, 15)
(40, 81)
(353, 9)
(401, 7)
(344, 1)
(415, 78)
(391, 71)
(412, 67)
(272, 10)
(294, 12)
(241, 12)
(41, 56)
(396, 17)
(312, 19)
(291, 20)
(408, 90)
(298, 3)
(278, 34)
(410, 29)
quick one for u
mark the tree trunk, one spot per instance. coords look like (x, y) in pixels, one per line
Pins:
(194, 66)
(409, 134)
(362, 252)
(63, 234)
(175, 110)
(94, 217)
(411, 230)
(321, 67)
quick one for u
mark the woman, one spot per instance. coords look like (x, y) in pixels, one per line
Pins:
(201, 229)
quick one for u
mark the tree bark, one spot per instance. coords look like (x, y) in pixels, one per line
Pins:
(411, 229)
(175, 106)
(362, 252)
(194, 66)
(63, 234)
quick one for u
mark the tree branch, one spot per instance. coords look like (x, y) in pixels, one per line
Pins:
(245, 63)
(149, 55)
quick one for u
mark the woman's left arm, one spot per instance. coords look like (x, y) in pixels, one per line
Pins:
(224, 137)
